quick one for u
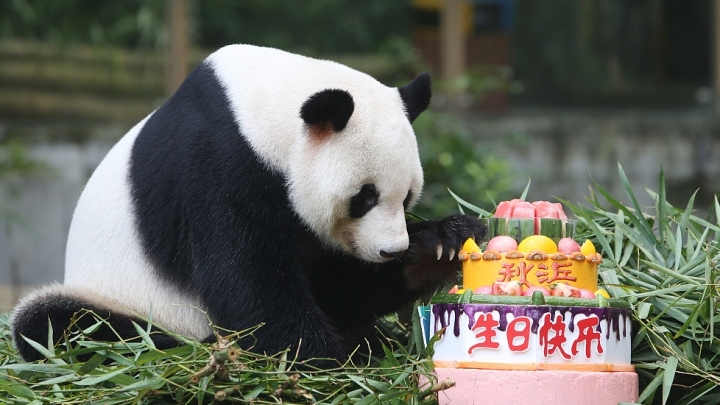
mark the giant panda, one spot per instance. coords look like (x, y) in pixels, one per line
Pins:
(270, 189)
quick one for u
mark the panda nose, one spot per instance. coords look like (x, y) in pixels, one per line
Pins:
(390, 255)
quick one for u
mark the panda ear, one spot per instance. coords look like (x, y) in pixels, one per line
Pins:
(326, 110)
(416, 95)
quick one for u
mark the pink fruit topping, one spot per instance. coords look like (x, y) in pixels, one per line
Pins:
(568, 246)
(507, 288)
(483, 289)
(564, 290)
(587, 294)
(502, 244)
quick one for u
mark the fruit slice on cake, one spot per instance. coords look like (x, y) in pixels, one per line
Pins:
(530, 247)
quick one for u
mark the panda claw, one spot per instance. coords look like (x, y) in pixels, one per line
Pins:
(452, 254)
(439, 251)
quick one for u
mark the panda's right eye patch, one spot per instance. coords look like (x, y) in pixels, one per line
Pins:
(363, 201)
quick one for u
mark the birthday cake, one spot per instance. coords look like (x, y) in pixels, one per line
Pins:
(530, 300)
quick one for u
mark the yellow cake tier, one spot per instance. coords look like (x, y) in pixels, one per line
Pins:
(530, 271)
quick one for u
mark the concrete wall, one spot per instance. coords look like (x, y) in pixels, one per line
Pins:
(561, 152)
(33, 252)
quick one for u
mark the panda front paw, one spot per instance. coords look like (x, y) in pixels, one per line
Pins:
(442, 239)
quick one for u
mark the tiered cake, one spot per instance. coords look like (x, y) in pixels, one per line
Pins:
(529, 300)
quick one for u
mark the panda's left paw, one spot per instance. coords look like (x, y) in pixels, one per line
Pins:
(442, 239)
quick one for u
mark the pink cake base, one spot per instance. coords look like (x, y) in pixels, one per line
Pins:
(504, 387)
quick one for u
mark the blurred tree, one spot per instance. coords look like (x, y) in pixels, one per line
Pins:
(574, 52)
(452, 160)
(317, 27)
(128, 23)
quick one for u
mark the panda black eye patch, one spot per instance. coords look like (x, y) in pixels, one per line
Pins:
(363, 201)
(406, 201)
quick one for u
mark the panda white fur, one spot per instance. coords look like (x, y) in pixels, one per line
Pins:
(270, 188)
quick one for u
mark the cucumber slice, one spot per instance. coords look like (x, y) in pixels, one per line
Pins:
(517, 300)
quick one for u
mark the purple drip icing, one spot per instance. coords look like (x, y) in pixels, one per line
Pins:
(614, 316)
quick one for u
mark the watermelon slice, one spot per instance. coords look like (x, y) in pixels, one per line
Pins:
(543, 209)
(523, 209)
(504, 209)
(550, 219)
(560, 212)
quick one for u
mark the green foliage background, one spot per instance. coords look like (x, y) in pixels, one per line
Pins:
(315, 27)
(452, 160)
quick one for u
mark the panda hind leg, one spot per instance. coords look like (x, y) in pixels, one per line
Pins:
(68, 311)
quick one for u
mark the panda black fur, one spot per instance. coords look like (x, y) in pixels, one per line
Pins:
(270, 188)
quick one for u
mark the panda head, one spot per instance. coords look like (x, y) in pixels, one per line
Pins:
(357, 169)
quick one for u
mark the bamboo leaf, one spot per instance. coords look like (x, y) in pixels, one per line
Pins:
(667, 290)
(57, 380)
(523, 196)
(700, 392)
(661, 204)
(671, 273)
(254, 393)
(677, 251)
(378, 386)
(50, 340)
(636, 218)
(144, 334)
(151, 383)
(649, 391)
(643, 310)
(669, 377)
(44, 351)
(19, 390)
(700, 243)
(155, 355)
(471, 207)
(357, 380)
(618, 251)
(367, 400)
(627, 254)
(100, 378)
(641, 222)
(338, 399)
(37, 368)
(93, 363)
(687, 214)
